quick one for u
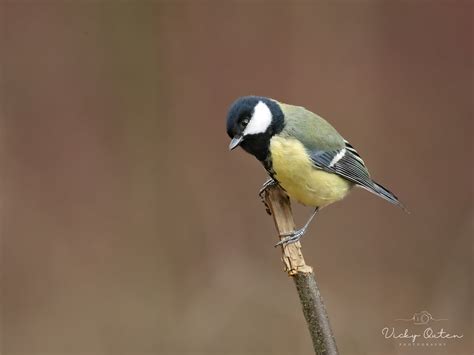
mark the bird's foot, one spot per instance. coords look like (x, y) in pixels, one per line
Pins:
(265, 186)
(270, 182)
(291, 237)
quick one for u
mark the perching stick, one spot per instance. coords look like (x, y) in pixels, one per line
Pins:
(313, 307)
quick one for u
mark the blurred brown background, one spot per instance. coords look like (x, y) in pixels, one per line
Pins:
(128, 228)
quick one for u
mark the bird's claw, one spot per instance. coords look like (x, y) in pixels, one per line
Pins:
(291, 237)
(265, 186)
(261, 193)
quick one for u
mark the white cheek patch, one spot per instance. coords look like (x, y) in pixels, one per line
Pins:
(260, 121)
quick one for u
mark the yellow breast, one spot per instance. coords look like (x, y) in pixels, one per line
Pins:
(302, 181)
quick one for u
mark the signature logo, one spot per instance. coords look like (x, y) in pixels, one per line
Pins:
(423, 329)
(421, 318)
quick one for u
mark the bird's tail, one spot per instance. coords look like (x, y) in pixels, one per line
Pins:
(381, 191)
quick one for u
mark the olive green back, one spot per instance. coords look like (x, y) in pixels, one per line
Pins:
(313, 131)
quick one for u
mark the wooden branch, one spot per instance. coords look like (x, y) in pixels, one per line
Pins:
(313, 307)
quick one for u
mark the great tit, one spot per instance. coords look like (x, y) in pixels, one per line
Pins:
(301, 152)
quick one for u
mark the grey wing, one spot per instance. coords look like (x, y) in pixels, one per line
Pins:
(347, 163)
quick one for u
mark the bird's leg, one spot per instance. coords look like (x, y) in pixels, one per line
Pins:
(266, 185)
(293, 237)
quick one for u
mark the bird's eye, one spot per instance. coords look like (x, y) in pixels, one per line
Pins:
(244, 122)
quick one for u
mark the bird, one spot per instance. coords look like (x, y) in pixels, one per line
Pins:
(301, 152)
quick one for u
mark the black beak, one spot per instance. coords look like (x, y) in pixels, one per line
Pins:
(235, 142)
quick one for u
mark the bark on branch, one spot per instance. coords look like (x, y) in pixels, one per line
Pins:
(313, 307)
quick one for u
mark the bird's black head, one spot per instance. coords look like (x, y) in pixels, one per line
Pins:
(251, 122)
